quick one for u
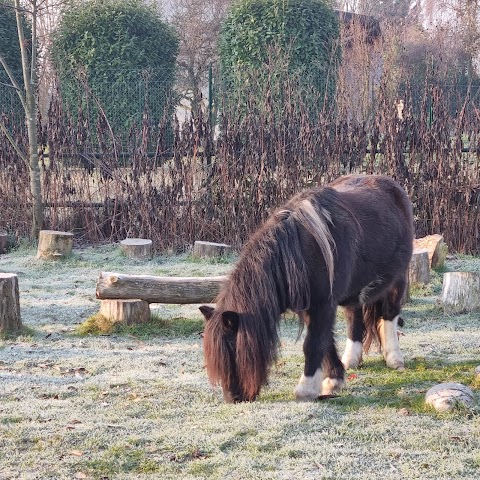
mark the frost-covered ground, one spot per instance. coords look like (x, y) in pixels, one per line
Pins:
(137, 404)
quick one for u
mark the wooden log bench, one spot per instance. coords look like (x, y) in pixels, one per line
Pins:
(125, 297)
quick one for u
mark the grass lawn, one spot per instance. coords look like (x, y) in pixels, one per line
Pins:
(135, 403)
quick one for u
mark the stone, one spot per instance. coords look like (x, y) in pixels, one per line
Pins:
(446, 396)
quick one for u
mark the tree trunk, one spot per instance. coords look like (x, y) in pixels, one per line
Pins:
(139, 248)
(53, 245)
(461, 292)
(129, 312)
(210, 249)
(10, 320)
(419, 269)
(437, 249)
(30, 106)
(3, 242)
(176, 290)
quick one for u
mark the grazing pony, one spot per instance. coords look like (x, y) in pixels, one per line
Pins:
(348, 243)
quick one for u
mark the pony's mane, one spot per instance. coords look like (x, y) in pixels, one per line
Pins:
(270, 277)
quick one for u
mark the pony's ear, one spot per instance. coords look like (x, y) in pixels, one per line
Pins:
(230, 321)
(207, 311)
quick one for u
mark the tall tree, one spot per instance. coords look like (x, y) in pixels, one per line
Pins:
(198, 25)
(26, 91)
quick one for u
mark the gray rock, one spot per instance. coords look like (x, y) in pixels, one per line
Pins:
(446, 396)
(477, 371)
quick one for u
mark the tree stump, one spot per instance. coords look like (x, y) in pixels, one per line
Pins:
(437, 249)
(210, 249)
(461, 292)
(10, 320)
(446, 396)
(53, 245)
(3, 242)
(419, 268)
(129, 312)
(138, 248)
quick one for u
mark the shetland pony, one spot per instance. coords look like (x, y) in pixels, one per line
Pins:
(348, 243)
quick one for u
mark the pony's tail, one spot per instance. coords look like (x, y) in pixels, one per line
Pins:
(372, 315)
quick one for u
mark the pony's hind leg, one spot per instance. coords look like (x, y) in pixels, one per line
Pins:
(352, 357)
(387, 327)
(317, 347)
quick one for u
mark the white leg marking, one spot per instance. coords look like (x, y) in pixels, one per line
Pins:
(352, 356)
(332, 385)
(308, 388)
(390, 345)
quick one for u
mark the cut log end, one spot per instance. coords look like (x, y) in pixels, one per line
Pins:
(137, 248)
(436, 247)
(10, 320)
(53, 245)
(210, 249)
(461, 292)
(129, 312)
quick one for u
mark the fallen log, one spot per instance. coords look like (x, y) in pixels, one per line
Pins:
(176, 290)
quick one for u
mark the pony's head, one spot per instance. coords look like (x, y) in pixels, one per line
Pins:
(233, 357)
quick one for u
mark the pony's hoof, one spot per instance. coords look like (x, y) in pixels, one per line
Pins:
(308, 388)
(332, 385)
(394, 360)
(305, 396)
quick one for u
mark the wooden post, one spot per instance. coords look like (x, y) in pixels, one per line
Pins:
(139, 248)
(461, 292)
(419, 269)
(210, 249)
(10, 320)
(129, 312)
(176, 290)
(53, 245)
(3, 242)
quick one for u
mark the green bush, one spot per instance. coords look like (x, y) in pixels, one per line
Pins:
(298, 37)
(121, 52)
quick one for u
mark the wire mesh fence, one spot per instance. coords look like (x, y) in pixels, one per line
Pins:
(176, 181)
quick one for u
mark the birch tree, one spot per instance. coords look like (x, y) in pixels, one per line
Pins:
(27, 93)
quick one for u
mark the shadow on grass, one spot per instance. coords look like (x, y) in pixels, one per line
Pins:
(23, 332)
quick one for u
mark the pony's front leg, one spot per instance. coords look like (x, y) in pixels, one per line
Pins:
(316, 346)
(333, 370)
